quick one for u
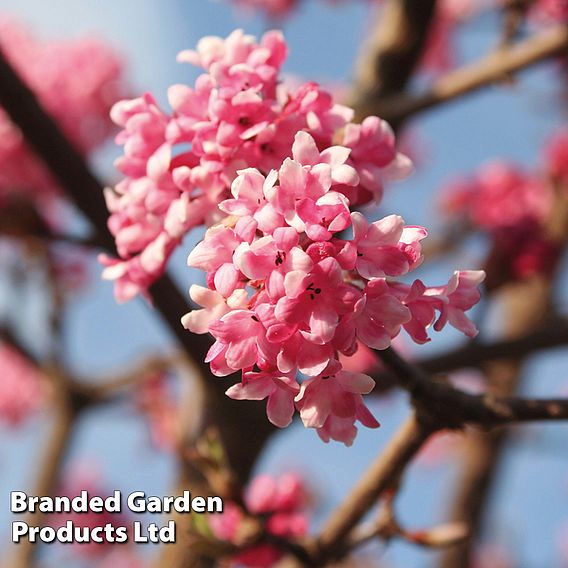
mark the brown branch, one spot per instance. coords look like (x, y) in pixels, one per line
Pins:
(383, 474)
(448, 407)
(106, 390)
(474, 354)
(487, 71)
(392, 52)
(66, 413)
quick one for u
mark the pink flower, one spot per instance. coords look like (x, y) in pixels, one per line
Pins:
(267, 493)
(378, 315)
(374, 155)
(364, 360)
(500, 195)
(76, 81)
(450, 302)
(386, 247)
(22, 391)
(86, 476)
(556, 154)
(335, 394)
(278, 388)
(287, 293)
(215, 307)
(460, 295)
(315, 299)
(241, 342)
(343, 429)
(550, 11)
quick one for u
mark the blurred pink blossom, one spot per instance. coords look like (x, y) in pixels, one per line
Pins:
(22, 388)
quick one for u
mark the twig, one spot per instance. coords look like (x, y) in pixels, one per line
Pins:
(382, 474)
(66, 414)
(448, 407)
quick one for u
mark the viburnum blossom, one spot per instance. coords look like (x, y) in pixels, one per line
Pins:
(22, 387)
(274, 9)
(556, 155)
(275, 174)
(156, 403)
(281, 502)
(512, 205)
(86, 476)
(499, 195)
(550, 11)
(76, 81)
(290, 291)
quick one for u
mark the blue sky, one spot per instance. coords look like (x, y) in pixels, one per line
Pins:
(501, 121)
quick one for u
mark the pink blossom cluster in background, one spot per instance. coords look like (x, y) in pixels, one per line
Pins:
(156, 402)
(76, 81)
(513, 206)
(86, 476)
(556, 156)
(22, 387)
(547, 11)
(121, 557)
(273, 9)
(281, 502)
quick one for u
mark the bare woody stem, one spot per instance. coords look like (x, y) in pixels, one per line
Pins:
(65, 417)
(391, 52)
(487, 71)
(383, 474)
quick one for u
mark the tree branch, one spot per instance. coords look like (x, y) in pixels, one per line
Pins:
(54, 452)
(448, 407)
(470, 78)
(392, 52)
(383, 474)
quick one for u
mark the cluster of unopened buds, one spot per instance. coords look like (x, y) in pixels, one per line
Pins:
(295, 276)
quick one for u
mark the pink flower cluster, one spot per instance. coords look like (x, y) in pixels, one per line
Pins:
(179, 166)
(550, 11)
(288, 292)
(499, 187)
(76, 81)
(556, 155)
(281, 502)
(274, 9)
(21, 388)
(512, 205)
(86, 476)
